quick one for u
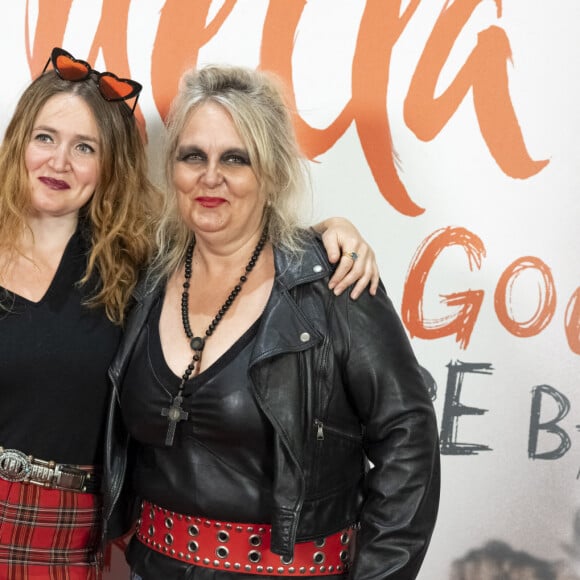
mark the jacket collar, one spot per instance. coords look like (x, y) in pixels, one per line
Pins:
(294, 330)
(283, 319)
(293, 270)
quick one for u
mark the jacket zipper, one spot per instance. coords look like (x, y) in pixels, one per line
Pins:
(321, 427)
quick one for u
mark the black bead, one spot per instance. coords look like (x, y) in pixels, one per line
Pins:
(197, 343)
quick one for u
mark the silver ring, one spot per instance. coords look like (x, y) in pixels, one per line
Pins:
(352, 255)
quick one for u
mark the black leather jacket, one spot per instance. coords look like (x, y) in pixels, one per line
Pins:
(341, 387)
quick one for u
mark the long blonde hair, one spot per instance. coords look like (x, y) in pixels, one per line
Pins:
(255, 101)
(121, 215)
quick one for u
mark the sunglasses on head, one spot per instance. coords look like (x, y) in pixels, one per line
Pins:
(111, 87)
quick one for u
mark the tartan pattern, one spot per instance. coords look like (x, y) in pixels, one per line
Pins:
(48, 533)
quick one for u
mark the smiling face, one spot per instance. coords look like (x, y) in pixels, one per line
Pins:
(217, 189)
(62, 157)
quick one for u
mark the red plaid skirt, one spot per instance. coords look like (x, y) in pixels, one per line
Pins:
(48, 533)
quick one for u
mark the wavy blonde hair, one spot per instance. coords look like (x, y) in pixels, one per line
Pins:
(255, 101)
(120, 217)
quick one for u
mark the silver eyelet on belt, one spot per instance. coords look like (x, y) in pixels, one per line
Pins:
(193, 546)
(193, 531)
(223, 536)
(255, 540)
(318, 557)
(222, 552)
(168, 523)
(254, 556)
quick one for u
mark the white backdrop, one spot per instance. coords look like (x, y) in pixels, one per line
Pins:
(457, 153)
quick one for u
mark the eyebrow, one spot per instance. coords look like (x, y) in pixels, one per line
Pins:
(55, 132)
(187, 149)
(183, 149)
(238, 151)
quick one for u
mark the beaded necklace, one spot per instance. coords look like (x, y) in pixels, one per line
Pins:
(175, 412)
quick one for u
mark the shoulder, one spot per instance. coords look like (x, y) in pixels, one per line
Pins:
(309, 246)
(307, 263)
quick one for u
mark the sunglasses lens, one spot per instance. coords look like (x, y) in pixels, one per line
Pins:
(70, 69)
(113, 88)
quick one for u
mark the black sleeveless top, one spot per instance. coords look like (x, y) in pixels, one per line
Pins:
(54, 356)
(219, 465)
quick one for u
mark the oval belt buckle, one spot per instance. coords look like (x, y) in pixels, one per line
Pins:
(14, 465)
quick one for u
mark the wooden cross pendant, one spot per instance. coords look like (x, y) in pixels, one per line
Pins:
(174, 414)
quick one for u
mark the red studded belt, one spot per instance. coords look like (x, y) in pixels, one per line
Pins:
(237, 547)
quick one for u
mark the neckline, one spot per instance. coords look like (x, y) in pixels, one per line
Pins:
(14, 299)
(165, 373)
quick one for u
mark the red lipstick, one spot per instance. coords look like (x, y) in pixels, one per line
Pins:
(57, 184)
(210, 202)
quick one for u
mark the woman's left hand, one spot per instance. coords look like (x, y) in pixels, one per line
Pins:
(356, 259)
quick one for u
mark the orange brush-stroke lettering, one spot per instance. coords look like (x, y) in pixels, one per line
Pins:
(50, 29)
(573, 322)
(381, 26)
(462, 322)
(278, 38)
(183, 29)
(546, 304)
(181, 33)
(485, 72)
(111, 39)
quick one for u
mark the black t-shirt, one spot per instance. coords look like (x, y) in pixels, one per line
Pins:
(54, 356)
